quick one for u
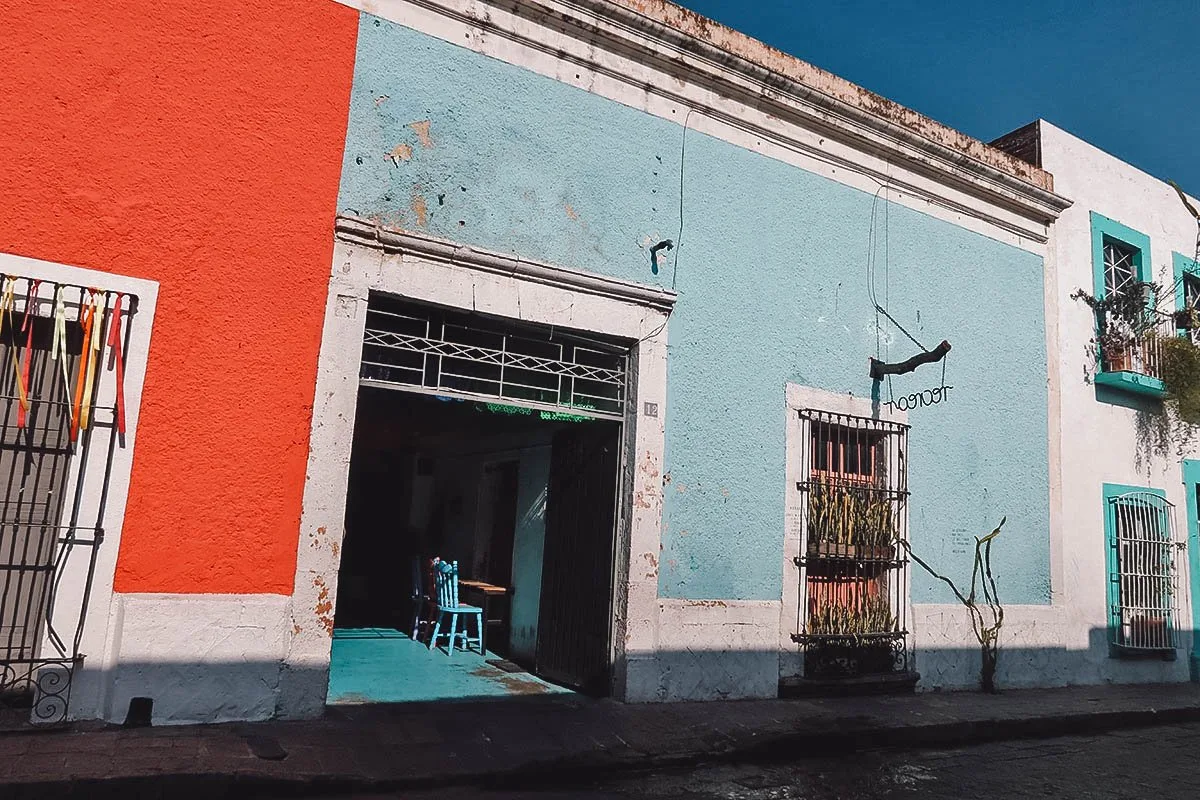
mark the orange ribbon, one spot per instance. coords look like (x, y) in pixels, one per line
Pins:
(83, 384)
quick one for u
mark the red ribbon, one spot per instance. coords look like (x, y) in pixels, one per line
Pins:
(114, 344)
(26, 357)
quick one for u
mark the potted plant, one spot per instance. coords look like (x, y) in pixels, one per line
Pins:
(854, 645)
(1123, 321)
(1187, 319)
(846, 521)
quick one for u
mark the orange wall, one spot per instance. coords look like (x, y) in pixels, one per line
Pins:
(198, 144)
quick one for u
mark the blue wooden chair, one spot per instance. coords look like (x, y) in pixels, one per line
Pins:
(445, 575)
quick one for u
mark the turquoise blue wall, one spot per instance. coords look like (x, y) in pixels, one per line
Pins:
(772, 289)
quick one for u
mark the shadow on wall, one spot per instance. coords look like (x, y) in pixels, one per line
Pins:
(1030, 667)
(257, 690)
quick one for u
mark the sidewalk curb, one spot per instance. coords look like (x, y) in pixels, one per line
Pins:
(578, 771)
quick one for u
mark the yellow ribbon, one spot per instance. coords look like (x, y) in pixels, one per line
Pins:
(59, 343)
(6, 308)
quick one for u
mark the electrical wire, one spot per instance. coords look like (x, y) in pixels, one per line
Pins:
(682, 165)
(678, 236)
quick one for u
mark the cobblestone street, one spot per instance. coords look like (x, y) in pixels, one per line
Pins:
(1151, 762)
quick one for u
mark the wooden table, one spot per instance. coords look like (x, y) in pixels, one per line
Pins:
(488, 591)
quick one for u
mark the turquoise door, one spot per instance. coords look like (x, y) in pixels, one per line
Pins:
(1191, 484)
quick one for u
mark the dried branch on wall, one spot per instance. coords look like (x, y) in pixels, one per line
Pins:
(987, 621)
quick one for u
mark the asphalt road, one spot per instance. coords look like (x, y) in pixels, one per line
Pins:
(1160, 763)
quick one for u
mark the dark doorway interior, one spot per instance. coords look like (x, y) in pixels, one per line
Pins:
(521, 499)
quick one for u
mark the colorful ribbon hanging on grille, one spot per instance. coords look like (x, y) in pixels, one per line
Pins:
(114, 347)
(6, 309)
(58, 343)
(92, 307)
(91, 320)
(27, 356)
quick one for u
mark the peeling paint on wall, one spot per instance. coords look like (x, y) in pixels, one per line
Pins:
(324, 607)
(422, 130)
(420, 209)
(401, 152)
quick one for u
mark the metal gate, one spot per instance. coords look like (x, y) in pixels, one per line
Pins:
(428, 349)
(51, 507)
(575, 610)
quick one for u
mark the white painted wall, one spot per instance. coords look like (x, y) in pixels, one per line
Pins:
(201, 658)
(1091, 443)
(1100, 442)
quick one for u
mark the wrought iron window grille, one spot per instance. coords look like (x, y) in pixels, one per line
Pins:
(1144, 545)
(853, 573)
(52, 510)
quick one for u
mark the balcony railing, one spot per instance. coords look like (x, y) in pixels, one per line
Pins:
(1143, 354)
(1135, 363)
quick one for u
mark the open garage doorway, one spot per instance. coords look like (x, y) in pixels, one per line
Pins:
(519, 494)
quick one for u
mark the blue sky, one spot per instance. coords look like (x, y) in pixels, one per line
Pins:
(1123, 75)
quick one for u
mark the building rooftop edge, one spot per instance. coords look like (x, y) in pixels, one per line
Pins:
(694, 26)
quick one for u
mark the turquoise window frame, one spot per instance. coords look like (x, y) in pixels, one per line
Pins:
(1191, 482)
(1182, 265)
(1103, 229)
(1106, 229)
(1113, 584)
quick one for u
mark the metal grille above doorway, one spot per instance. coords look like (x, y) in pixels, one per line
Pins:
(437, 351)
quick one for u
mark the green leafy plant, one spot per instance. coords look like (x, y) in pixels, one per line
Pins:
(985, 624)
(1179, 363)
(1123, 321)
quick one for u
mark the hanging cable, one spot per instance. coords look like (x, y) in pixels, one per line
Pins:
(682, 165)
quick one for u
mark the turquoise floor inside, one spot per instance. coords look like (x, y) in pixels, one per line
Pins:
(383, 665)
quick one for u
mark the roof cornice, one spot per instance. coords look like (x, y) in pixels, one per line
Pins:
(694, 51)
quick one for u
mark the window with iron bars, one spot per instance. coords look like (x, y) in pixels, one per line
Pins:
(853, 573)
(1122, 273)
(1191, 300)
(1143, 575)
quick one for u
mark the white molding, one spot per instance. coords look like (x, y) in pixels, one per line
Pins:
(801, 398)
(390, 240)
(450, 275)
(765, 100)
(92, 682)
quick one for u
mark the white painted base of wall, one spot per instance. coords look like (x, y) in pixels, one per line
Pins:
(709, 650)
(201, 658)
(1040, 646)
(220, 658)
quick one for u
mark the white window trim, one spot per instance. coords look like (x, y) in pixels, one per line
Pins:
(100, 642)
(800, 398)
(432, 270)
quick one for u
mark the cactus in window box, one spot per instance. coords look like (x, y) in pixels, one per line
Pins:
(849, 519)
(831, 618)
